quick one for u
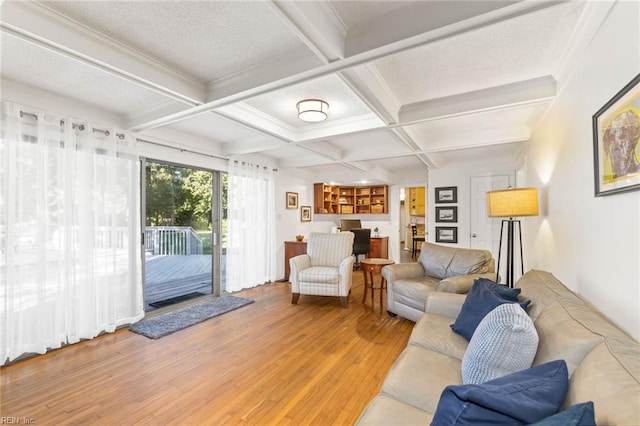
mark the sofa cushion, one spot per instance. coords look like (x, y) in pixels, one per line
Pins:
(504, 342)
(433, 332)
(562, 336)
(442, 262)
(610, 377)
(524, 397)
(576, 415)
(419, 375)
(414, 292)
(383, 410)
(479, 302)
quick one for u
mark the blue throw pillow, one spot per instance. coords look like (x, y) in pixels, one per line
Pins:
(576, 415)
(499, 289)
(479, 302)
(525, 397)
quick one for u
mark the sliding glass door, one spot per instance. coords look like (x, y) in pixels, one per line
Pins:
(182, 221)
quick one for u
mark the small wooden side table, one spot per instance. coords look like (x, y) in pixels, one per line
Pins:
(369, 266)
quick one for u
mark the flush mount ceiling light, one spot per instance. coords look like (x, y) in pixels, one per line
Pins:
(312, 110)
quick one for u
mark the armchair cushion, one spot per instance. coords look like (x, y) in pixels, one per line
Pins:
(320, 274)
(462, 283)
(442, 262)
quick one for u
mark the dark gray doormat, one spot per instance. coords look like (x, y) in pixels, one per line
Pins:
(162, 325)
(177, 299)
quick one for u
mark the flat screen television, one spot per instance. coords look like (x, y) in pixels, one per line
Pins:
(349, 224)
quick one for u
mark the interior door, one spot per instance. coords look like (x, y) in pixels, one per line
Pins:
(485, 232)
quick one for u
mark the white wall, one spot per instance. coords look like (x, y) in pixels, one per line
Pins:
(592, 244)
(460, 178)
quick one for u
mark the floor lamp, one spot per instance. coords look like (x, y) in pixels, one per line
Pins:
(510, 203)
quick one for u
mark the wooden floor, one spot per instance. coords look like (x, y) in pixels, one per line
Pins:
(269, 363)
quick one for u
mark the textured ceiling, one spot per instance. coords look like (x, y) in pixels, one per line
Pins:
(516, 50)
(411, 85)
(203, 39)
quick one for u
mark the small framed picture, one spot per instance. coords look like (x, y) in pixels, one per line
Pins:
(616, 142)
(305, 213)
(292, 200)
(447, 214)
(447, 194)
(446, 234)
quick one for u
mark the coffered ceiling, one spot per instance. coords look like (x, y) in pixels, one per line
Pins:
(410, 85)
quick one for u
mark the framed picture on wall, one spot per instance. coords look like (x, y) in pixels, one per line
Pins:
(305, 214)
(616, 142)
(292, 200)
(446, 234)
(447, 194)
(447, 214)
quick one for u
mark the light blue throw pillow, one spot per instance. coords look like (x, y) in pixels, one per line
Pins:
(504, 342)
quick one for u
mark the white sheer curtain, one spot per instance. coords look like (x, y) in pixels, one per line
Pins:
(251, 257)
(70, 264)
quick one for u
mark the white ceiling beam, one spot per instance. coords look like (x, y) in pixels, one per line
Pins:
(280, 66)
(408, 137)
(360, 58)
(252, 146)
(480, 138)
(316, 25)
(47, 28)
(531, 91)
(369, 85)
(324, 149)
(591, 19)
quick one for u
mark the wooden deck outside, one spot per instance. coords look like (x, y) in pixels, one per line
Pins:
(171, 276)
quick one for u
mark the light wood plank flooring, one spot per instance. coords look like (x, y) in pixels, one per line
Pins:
(268, 363)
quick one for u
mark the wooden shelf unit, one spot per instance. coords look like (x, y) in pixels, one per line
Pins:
(371, 199)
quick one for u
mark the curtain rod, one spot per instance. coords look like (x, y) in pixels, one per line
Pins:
(257, 165)
(73, 125)
(121, 136)
(181, 149)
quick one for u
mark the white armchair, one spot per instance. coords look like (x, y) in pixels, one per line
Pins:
(326, 269)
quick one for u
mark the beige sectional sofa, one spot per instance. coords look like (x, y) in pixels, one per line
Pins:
(439, 268)
(603, 361)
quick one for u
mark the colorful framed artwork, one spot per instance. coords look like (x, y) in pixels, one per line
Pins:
(292, 200)
(447, 194)
(446, 234)
(616, 142)
(305, 214)
(447, 214)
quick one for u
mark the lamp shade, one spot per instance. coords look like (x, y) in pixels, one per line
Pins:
(312, 110)
(512, 202)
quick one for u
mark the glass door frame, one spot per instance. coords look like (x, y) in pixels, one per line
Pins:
(216, 221)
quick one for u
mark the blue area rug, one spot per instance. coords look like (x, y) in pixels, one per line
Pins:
(162, 325)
